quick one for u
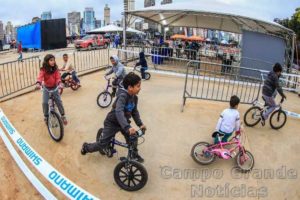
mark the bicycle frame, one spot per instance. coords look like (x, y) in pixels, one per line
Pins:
(51, 101)
(264, 107)
(129, 146)
(221, 152)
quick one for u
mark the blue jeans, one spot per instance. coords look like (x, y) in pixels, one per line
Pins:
(270, 102)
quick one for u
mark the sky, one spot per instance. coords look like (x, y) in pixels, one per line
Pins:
(21, 12)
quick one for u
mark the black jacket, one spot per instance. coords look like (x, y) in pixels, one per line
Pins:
(142, 61)
(124, 107)
(271, 84)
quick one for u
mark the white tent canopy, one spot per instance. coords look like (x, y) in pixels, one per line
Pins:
(113, 28)
(211, 15)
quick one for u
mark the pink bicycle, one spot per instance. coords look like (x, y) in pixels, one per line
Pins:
(204, 153)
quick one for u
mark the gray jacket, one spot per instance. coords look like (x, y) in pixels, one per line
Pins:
(271, 84)
(118, 69)
(124, 107)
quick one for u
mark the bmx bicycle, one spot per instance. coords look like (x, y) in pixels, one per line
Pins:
(254, 115)
(129, 174)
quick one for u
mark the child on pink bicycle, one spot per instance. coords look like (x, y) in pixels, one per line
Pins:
(229, 120)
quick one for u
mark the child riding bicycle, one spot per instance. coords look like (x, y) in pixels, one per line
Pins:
(271, 84)
(119, 70)
(118, 119)
(69, 70)
(143, 63)
(229, 120)
(49, 76)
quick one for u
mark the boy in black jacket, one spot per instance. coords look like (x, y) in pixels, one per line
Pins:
(143, 63)
(271, 84)
(124, 107)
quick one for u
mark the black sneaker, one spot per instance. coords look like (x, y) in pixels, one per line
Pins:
(139, 158)
(83, 149)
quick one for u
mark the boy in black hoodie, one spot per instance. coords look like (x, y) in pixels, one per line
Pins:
(124, 107)
(143, 63)
(271, 84)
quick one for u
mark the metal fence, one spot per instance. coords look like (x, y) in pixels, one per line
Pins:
(217, 82)
(17, 76)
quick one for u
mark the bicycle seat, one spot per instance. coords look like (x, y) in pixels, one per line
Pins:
(216, 134)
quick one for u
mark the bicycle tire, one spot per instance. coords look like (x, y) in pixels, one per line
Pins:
(277, 115)
(60, 124)
(130, 176)
(107, 98)
(248, 112)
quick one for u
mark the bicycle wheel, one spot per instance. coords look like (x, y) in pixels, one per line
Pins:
(55, 126)
(278, 119)
(245, 162)
(252, 116)
(147, 75)
(74, 85)
(201, 157)
(98, 138)
(104, 99)
(130, 175)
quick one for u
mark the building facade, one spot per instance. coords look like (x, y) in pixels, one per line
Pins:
(1, 31)
(74, 23)
(166, 2)
(106, 15)
(46, 15)
(88, 19)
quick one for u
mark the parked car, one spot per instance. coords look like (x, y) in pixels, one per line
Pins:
(92, 41)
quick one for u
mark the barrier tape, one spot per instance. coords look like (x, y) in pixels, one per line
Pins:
(67, 187)
(24, 168)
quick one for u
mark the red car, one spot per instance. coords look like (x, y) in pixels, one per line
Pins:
(92, 41)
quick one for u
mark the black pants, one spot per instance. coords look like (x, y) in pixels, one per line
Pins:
(109, 131)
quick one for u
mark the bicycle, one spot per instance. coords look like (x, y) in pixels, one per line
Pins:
(254, 115)
(54, 122)
(129, 174)
(138, 69)
(69, 82)
(204, 153)
(104, 99)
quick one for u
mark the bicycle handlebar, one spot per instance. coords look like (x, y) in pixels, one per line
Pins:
(50, 91)
(138, 133)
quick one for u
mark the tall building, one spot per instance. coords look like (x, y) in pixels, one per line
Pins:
(148, 3)
(9, 28)
(166, 2)
(88, 19)
(106, 15)
(118, 23)
(97, 23)
(1, 31)
(131, 5)
(131, 19)
(46, 15)
(149, 25)
(74, 23)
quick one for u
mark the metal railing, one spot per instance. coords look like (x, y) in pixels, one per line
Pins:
(17, 76)
(211, 81)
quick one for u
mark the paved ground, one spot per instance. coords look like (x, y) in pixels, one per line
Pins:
(169, 139)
